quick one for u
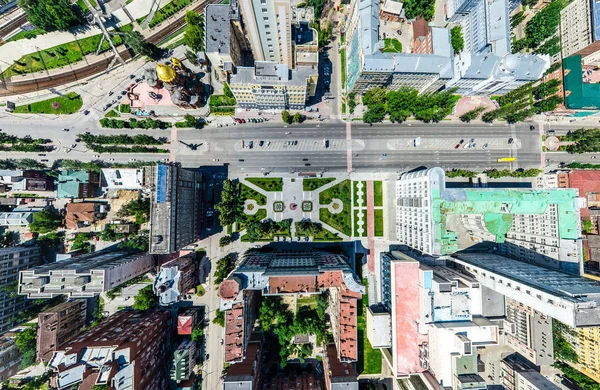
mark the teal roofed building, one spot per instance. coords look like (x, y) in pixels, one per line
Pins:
(78, 184)
(536, 225)
(578, 94)
(184, 360)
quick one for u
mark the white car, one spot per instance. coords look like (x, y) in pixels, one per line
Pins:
(215, 159)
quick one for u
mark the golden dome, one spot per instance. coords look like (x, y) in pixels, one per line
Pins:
(176, 62)
(165, 73)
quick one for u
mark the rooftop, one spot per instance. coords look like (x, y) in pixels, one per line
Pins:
(123, 178)
(217, 22)
(70, 182)
(83, 212)
(578, 95)
(84, 263)
(272, 73)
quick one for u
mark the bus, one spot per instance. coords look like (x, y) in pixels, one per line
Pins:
(506, 159)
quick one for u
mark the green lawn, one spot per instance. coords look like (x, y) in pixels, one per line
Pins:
(61, 55)
(26, 34)
(369, 359)
(392, 45)
(271, 184)
(66, 104)
(310, 301)
(244, 219)
(248, 193)
(343, 60)
(341, 221)
(313, 184)
(168, 10)
(125, 108)
(325, 235)
(364, 197)
(378, 193)
(111, 114)
(340, 191)
(356, 226)
(378, 222)
(83, 5)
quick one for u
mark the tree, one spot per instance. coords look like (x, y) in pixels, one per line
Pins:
(225, 240)
(194, 31)
(456, 39)
(543, 24)
(374, 96)
(138, 44)
(548, 104)
(551, 47)
(50, 15)
(375, 113)
(190, 121)
(224, 267)
(424, 8)
(401, 103)
(227, 206)
(471, 115)
(547, 88)
(286, 117)
(145, 300)
(138, 207)
(45, 221)
(197, 333)
(298, 118)
(219, 318)
(82, 243)
(227, 91)
(26, 344)
(139, 243)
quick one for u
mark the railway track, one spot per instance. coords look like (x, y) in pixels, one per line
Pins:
(10, 87)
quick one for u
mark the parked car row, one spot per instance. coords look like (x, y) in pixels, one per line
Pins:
(249, 120)
(251, 144)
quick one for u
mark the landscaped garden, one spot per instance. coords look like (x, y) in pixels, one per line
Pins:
(267, 230)
(267, 184)
(313, 184)
(248, 193)
(357, 226)
(168, 10)
(341, 219)
(392, 45)
(61, 55)
(378, 222)
(364, 196)
(66, 104)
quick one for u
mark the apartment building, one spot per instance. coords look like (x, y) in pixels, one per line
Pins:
(269, 85)
(290, 273)
(13, 261)
(539, 225)
(518, 374)
(84, 276)
(570, 299)
(174, 207)
(175, 278)
(586, 344)
(126, 350)
(268, 27)
(529, 332)
(57, 326)
(9, 358)
(184, 361)
(575, 27)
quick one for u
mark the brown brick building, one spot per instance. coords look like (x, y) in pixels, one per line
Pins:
(127, 347)
(57, 326)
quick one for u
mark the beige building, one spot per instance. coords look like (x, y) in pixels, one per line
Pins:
(268, 28)
(269, 85)
(575, 27)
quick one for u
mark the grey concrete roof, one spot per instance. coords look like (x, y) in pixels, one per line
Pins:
(217, 28)
(409, 63)
(248, 75)
(440, 38)
(369, 26)
(499, 27)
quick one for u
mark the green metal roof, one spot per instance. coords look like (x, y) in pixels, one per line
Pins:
(579, 95)
(68, 183)
(498, 207)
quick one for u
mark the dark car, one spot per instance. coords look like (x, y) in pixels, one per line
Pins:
(531, 127)
(251, 144)
(261, 143)
(304, 159)
(510, 141)
(241, 160)
(461, 141)
(307, 165)
(457, 146)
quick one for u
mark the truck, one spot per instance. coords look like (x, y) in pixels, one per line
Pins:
(506, 159)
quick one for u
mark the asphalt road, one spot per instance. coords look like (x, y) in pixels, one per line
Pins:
(368, 145)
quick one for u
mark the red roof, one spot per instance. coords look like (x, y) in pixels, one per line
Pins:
(587, 182)
(229, 289)
(234, 333)
(185, 324)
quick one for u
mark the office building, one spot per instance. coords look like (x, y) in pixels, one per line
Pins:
(57, 326)
(485, 66)
(268, 27)
(518, 374)
(175, 279)
(125, 351)
(184, 361)
(12, 261)
(269, 85)
(9, 358)
(570, 299)
(575, 27)
(123, 178)
(290, 272)
(84, 276)
(174, 207)
(529, 332)
(537, 225)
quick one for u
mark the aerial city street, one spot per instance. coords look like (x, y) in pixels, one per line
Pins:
(299, 194)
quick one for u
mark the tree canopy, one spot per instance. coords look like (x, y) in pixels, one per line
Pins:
(45, 221)
(456, 39)
(194, 31)
(26, 344)
(145, 300)
(227, 206)
(424, 8)
(138, 44)
(50, 15)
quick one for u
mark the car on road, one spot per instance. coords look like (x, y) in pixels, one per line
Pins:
(131, 159)
(510, 141)
(295, 142)
(44, 160)
(551, 131)
(461, 141)
(132, 76)
(531, 127)
(221, 341)
(73, 145)
(98, 156)
(123, 92)
(485, 146)
(326, 143)
(42, 154)
(241, 160)
(86, 112)
(304, 159)
(261, 143)
(65, 129)
(457, 146)
(215, 159)
(307, 165)
(398, 32)
(384, 154)
(268, 143)
(472, 140)
(110, 93)
(251, 144)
